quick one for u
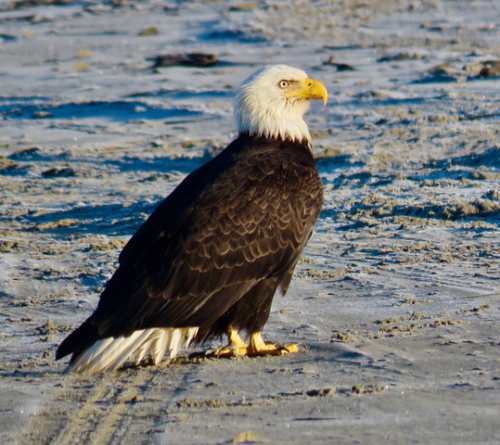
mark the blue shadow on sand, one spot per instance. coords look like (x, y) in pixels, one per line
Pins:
(114, 111)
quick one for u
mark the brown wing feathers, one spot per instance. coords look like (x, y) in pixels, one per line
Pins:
(240, 219)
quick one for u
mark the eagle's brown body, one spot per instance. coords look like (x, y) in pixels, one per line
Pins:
(215, 251)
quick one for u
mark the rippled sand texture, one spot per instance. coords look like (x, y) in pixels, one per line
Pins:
(396, 298)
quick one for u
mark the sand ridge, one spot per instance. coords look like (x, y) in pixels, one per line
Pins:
(395, 301)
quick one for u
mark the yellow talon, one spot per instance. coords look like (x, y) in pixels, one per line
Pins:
(259, 347)
(291, 349)
(236, 347)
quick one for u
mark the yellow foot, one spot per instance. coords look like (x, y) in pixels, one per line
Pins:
(259, 347)
(235, 348)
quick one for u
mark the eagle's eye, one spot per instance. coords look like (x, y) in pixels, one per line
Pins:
(283, 84)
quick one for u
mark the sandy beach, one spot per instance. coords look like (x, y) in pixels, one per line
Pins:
(395, 302)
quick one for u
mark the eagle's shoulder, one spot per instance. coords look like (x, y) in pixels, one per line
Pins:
(247, 160)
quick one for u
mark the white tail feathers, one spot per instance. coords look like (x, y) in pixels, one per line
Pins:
(111, 353)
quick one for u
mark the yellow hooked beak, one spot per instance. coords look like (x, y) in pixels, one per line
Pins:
(309, 89)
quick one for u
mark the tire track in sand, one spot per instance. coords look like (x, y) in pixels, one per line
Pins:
(123, 407)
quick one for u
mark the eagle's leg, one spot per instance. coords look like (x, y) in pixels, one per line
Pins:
(260, 347)
(235, 347)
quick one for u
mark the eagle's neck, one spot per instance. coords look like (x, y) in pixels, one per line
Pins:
(304, 141)
(277, 129)
(271, 118)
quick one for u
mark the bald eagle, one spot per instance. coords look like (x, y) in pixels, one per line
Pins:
(210, 258)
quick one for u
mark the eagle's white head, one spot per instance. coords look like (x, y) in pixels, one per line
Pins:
(273, 101)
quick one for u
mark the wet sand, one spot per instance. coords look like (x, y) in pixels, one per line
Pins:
(396, 299)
